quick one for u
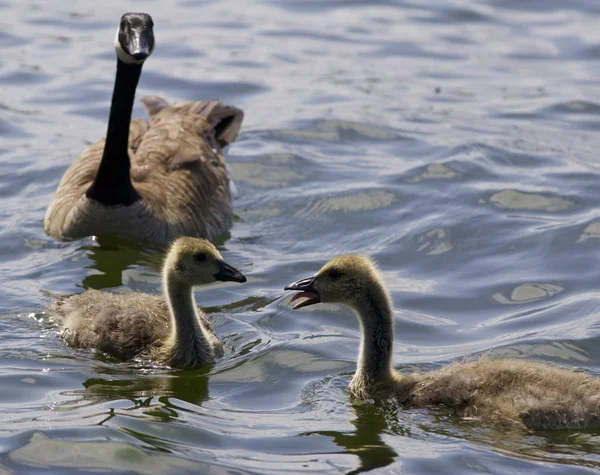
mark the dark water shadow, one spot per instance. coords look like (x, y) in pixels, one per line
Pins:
(142, 389)
(112, 255)
(371, 422)
(562, 446)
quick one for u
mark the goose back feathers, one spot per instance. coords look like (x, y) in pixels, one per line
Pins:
(177, 169)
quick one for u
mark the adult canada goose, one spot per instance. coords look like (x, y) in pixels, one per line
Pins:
(170, 330)
(149, 181)
(539, 395)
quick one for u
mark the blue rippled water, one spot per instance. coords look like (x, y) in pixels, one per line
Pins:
(454, 141)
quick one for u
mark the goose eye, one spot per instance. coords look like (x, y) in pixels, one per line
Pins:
(335, 274)
(200, 257)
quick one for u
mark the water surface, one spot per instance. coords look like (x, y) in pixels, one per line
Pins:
(455, 142)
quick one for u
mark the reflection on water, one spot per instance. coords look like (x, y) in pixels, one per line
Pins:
(190, 386)
(111, 256)
(456, 144)
(42, 452)
(436, 171)
(364, 201)
(592, 231)
(528, 292)
(272, 171)
(336, 130)
(512, 199)
(366, 440)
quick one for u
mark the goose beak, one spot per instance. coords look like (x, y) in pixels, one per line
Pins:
(308, 292)
(139, 44)
(135, 38)
(229, 273)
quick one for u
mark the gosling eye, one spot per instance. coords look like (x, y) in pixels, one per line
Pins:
(334, 274)
(200, 257)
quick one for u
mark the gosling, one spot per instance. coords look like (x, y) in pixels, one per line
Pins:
(534, 394)
(169, 330)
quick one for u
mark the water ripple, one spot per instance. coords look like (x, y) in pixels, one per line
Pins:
(454, 142)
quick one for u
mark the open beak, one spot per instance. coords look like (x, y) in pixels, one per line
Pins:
(229, 273)
(308, 292)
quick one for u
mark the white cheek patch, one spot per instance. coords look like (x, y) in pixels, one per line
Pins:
(123, 55)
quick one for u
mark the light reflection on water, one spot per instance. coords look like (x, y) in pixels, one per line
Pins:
(456, 143)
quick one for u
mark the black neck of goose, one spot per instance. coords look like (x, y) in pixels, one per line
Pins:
(376, 322)
(112, 185)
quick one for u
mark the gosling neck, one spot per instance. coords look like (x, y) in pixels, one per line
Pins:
(186, 334)
(112, 185)
(375, 315)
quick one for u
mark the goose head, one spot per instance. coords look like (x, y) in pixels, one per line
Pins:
(135, 38)
(345, 279)
(194, 261)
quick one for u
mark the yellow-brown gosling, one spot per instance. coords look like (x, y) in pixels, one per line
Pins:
(149, 181)
(538, 395)
(169, 330)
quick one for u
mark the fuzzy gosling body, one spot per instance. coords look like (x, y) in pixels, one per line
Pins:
(170, 330)
(538, 395)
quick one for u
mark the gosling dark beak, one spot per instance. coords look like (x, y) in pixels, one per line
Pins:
(228, 273)
(308, 292)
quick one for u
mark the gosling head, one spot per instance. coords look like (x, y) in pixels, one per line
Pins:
(135, 38)
(345, 279)
(194, 261)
